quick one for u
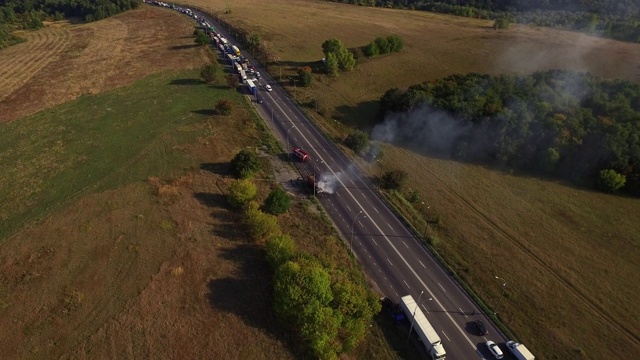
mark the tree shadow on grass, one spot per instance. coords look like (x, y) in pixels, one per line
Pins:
(248, 294)
(211, 199)
(187, 82)
(216, 168)
(183, 47)
(207, 112)
(360, 116)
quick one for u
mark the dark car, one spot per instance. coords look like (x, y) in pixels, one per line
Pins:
(480, 327)
(260, 101)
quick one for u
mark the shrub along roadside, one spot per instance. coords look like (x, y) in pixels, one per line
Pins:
(327, 307)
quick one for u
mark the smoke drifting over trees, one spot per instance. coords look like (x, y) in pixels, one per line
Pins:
(565, 124)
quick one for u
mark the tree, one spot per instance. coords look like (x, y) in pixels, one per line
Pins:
(260, 225)
(224, 106)
(357, 140)
(202, 39)
(383, 45)
(395, 43)
(331, 64)
(254, 41)
(232, 81)
(346, 62)
(371, 50)
(332, 46)
(279, 249)
(305, 77)
(209, 73)
(393, 180)
(277, 202)
(241, 192)
(245, 164)
(611, 181)
(501, 23)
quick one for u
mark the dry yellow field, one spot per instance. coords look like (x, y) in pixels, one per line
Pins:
(63, 61)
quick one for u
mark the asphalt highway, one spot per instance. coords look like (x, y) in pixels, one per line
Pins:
(392, 258)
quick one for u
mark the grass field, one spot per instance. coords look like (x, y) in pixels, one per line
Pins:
(64, 61)
(116, 268)
(569, 256)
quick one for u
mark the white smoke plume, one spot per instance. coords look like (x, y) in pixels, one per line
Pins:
(329, 183)
(421, 128)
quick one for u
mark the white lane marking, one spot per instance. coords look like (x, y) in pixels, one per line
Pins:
(405, 244)
(348, 208)
(445, 335)
(422, 264)
(360, 223)
(363, 196)
(370, 257)
(389, 261)
(406, 284)
(376, 210)
(425, 308)
(463, 313)
(390, 226)
(374, 242)
(473, 346)
(442, 287)
(354, 184)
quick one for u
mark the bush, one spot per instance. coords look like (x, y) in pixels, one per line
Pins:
(224, 106)
(233, 81)
(305, 77)
(395, 43)
(245, 164)
(501, 24)
(383, 45)
(371, 50)
(260, 225)
(393, 180)
(279, 249)
(241, 192)
(202, 39)
(277, 202)
(357, 141)
(209, 73)
(611, 181)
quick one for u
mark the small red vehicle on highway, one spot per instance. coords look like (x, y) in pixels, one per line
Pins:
(301, 154)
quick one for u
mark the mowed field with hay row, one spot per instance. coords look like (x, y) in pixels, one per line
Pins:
(64, 61)
(569, 255)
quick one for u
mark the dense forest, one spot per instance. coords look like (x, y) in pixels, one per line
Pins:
(618, 19)
(556, 123)
(29, 14)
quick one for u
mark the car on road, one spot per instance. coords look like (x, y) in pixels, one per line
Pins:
(480, 327)
(258, 75)
(494, 349)
(268, 87)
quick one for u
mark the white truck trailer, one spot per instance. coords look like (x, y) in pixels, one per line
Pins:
(520, 351)
(423, 328)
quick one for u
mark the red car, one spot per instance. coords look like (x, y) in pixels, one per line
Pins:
(301, 154)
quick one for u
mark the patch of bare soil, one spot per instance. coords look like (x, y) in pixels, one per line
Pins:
(64, 61)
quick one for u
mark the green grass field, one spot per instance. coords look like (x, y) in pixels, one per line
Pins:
(100, 142)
